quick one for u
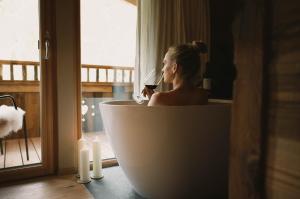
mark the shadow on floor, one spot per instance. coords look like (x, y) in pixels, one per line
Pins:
(114, 185)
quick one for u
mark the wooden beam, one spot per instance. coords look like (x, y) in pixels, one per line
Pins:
(95, 88)
(19, 87)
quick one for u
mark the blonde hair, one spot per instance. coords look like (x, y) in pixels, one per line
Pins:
(187, 56)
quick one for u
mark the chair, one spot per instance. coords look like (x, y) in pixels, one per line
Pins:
(24, 126)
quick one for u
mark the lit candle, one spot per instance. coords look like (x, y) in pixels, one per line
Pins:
(81, 143)
(97, 160)
(84, 165)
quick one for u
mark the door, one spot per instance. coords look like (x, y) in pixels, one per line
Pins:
(27, 71)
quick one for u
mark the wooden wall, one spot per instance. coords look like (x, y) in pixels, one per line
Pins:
(265, 136)
(245, 138)
(283, 113)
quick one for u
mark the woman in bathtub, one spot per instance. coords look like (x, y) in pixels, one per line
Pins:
(181, 66)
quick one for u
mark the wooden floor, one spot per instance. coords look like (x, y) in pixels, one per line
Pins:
(15, 154)
(53, 187)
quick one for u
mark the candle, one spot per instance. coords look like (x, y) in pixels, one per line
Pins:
(97, 160)
(207, 83)
(84, 165)
(81, 143)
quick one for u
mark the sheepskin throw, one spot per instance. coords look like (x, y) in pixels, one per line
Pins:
(11, 120)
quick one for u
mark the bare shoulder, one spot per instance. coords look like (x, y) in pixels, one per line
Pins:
(158, 99)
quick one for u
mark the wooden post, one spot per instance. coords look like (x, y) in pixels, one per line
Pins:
(131, 75)
(24, 72)
(106, 75)
(97, 74)
(1, 77)
(115, 75)
(11, 72)
(36, 72)
(88, 74)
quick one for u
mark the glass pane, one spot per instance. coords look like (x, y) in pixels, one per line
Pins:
(19, 58)
(108, 34)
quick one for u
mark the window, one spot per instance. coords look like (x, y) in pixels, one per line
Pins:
(108, 39)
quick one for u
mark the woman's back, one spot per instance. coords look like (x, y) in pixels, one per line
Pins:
(180, 97)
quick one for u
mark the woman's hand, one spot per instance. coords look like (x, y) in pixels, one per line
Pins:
(147, 92)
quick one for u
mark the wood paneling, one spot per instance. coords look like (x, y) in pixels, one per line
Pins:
(283, 157)
(19, 87)
(265, 126)
(245, 138)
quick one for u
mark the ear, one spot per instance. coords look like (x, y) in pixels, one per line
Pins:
(174, 68)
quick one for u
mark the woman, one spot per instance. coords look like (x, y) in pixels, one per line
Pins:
(181, 66)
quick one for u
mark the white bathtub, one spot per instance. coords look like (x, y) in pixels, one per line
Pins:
(171, 151)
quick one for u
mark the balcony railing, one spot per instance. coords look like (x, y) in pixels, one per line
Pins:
(22, 80)
(24, 76)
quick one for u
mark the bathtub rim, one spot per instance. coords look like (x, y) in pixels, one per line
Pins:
(134, 104)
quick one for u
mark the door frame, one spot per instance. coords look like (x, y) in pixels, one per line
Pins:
(48, 103)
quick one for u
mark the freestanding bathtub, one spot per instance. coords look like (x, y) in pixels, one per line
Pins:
(171, 151)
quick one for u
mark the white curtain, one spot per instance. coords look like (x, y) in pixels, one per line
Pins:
(162, 23)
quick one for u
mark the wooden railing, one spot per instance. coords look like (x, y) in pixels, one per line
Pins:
(21, 79)
(12, 70)
(24, 76)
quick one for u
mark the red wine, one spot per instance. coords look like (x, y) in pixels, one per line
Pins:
(151, 86)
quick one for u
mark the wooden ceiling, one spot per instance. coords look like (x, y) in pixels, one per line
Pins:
(134, 2)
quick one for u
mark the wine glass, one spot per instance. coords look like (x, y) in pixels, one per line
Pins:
(151, 81)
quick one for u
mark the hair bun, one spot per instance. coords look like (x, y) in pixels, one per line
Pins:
(200, 46)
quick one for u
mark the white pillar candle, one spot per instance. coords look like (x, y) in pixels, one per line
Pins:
(81, 143)
(207, 83)
(84, 165)
(97, 160)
